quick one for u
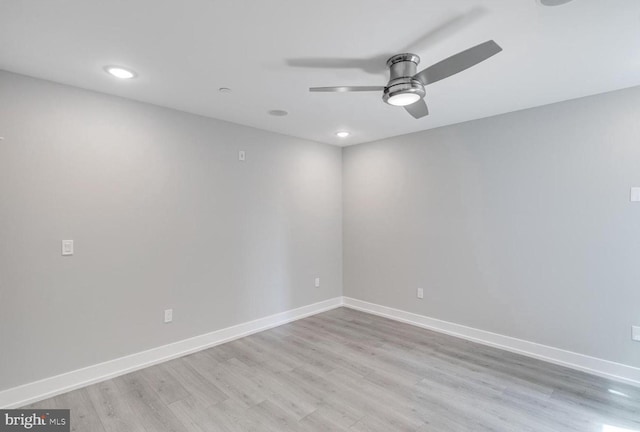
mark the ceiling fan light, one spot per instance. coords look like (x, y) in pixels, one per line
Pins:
(403, 91)
(403, 99)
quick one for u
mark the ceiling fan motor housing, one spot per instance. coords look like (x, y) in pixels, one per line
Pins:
(402, 68)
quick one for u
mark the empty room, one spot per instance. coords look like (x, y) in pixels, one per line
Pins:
(279, 215)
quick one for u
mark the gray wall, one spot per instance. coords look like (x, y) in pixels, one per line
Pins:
(518, 224)
(163, 216)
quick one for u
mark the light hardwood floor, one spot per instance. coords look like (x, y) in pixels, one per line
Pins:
(347, 370)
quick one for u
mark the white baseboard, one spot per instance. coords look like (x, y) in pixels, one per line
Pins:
(604, 368)
(49, 387)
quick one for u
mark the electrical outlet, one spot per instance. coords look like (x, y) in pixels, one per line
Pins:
(241, 155)
(67, 247)
(168, 315)
(420, 293)
(317, 282)
(635, 333)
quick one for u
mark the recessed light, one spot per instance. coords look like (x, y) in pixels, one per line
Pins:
(553, 2)
(120, 72)
(224, 90)
(342, 134)
(278, 113)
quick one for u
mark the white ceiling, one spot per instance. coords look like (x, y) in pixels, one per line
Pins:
(185, 50)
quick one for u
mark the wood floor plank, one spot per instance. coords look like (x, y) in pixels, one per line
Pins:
(154, 414)
(197, 417)
(114, 413)
(345, 370)
(164, 384)
(84, 416)
(327, 418)
(197, 384)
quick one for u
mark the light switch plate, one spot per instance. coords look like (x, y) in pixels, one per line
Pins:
(317, 282)
(67, 247)
(168, 315)
(635, 333)
(420, 293)
(241, 155)
(635, 194)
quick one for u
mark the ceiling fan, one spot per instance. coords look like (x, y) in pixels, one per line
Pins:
(406, 86)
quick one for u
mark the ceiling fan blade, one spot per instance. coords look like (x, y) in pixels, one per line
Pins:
(372, 65)
(458, 62)
(326, 63)
(346, 89)
(418, 109)
(446, 29)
